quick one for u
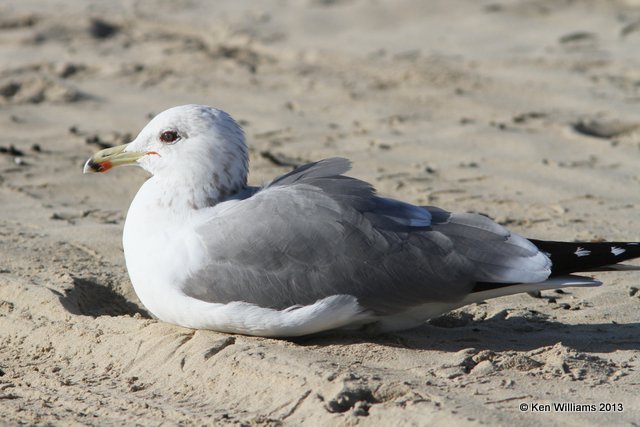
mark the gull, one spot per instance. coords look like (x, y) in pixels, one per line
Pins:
(313, 250)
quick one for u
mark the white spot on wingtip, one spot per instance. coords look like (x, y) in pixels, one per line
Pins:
(580, 252)
(617, 251)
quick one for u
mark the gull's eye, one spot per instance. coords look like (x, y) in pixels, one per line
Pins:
(169, 136)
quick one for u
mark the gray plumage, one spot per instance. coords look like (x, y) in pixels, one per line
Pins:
(314, 232)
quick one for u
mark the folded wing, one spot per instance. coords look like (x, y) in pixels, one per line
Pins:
(314, 233)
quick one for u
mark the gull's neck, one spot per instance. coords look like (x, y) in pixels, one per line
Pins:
(189, 194)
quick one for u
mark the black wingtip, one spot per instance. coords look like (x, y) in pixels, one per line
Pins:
(573, 257)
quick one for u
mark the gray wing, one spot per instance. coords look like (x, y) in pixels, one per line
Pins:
(314, 233)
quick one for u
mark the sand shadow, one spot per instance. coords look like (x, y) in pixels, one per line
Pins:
(448, 333)
(515, 333)
(87, 297)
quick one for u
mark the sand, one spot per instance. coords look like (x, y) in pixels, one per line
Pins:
(526, 111)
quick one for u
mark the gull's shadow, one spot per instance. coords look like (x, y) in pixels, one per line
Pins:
(515, 333)
(89, 298)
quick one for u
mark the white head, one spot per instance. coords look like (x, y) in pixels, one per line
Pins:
(196, 147)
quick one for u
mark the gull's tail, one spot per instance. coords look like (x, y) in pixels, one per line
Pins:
(567, 257)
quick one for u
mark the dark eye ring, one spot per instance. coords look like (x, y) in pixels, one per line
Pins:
(169, 136)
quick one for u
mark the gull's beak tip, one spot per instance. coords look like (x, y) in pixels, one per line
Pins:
(91, 167)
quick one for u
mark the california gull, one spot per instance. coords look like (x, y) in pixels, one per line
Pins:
(313, 250)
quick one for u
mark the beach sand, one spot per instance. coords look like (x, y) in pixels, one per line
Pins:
(526, 111)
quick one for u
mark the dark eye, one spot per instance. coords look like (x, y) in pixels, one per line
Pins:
(169, 136)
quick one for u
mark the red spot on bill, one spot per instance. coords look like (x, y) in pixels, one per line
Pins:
(105, 166)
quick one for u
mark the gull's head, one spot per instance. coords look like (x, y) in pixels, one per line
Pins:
(186, 144)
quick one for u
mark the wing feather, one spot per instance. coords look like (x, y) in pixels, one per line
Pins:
(313, 233)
